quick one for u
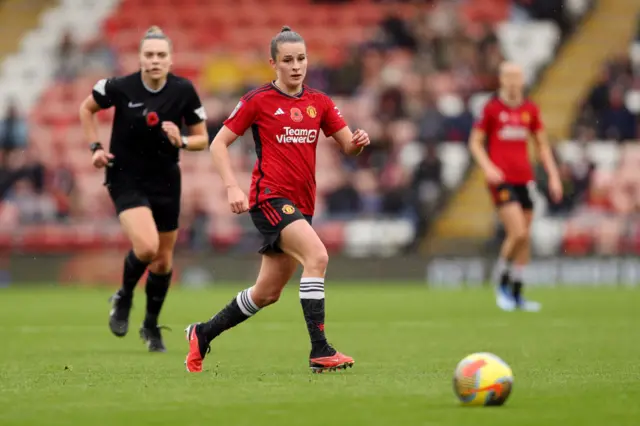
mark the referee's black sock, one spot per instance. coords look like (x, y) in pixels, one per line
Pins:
(241, 308)
(312, 301)
(133, 270)
(156, 289)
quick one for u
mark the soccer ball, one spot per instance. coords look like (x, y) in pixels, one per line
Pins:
(482, 379)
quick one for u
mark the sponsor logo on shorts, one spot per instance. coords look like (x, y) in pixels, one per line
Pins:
(296, 115)
(288, 209)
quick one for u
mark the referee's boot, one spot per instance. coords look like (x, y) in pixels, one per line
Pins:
(325, 358)
(152, 337)
(119, 315)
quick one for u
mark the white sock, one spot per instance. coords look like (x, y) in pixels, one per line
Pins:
(246, 303)
(517, 273)
(312, 288)
(502, 266)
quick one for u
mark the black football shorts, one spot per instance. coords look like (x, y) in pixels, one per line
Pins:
(160, 193)
(270, 217)
(508, 193)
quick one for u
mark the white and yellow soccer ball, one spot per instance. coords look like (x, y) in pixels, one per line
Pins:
(482, 379)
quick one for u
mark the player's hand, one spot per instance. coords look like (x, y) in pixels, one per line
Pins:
(173, 133)
(494, 175)
(555, 189)
(237, 200)
(101, 158)
(360, 138)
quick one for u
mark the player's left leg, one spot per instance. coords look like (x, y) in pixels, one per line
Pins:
(165, 207)
(521, 259)
(158, 282)
(300, 241)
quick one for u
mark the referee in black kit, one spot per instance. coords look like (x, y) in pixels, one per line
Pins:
(142, 172)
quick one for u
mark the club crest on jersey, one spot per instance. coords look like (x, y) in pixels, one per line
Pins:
(311, 111)
(288, 209)
(152, 119)
(296, 115)
(525, 117)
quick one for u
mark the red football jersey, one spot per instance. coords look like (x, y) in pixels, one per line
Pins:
(507, 130)
(285, 130)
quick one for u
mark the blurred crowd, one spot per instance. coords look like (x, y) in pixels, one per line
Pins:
(600, 166)
(32, 190)
(407, 81)
(408, 85)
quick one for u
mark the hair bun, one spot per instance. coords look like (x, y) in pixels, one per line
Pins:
(285, 29)
(154, 30)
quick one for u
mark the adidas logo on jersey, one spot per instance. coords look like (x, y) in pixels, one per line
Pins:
(279, 112)
(297, 136)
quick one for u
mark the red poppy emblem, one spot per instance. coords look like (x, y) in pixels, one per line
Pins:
(152, 119)
(296, 115)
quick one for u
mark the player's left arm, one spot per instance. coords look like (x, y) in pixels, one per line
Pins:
(333, 125)
(195, 118)
(545, 154)
(351, 143)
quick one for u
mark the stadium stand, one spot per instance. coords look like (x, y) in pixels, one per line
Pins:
(601, 168)
(413, 76)
(584, 50)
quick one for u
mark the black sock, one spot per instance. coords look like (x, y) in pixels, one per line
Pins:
(517, 291)
(156, 289)
(517, 278)
(312, 301)
(238, 310)
(505, 282)
(133, 270)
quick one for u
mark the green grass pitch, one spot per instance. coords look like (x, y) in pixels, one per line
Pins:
(575, 363)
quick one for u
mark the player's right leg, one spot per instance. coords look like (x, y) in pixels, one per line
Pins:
(276, 270)
(512, 217)
(139, 226)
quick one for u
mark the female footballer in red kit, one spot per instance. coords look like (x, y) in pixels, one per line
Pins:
(285, 117)
(507, 121)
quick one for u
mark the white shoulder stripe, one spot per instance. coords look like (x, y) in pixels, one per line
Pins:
(100, 87)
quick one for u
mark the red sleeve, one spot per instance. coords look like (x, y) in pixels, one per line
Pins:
(332, 120)
(536, 121)
(242, 117)
(482, 123)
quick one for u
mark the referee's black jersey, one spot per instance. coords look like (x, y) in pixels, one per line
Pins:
(137, 141)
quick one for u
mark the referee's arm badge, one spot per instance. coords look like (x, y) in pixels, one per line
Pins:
(201, 113)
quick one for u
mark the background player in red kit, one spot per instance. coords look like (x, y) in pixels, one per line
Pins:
(285, 118)
(506, 123)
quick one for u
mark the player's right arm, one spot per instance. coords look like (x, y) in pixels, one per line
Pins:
(101, 97)
(238, 122)
(477, 139)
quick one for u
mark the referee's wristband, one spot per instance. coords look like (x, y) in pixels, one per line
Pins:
(95, 146)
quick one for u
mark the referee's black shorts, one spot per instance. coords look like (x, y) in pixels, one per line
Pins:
(270, 217)
(160, 193)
